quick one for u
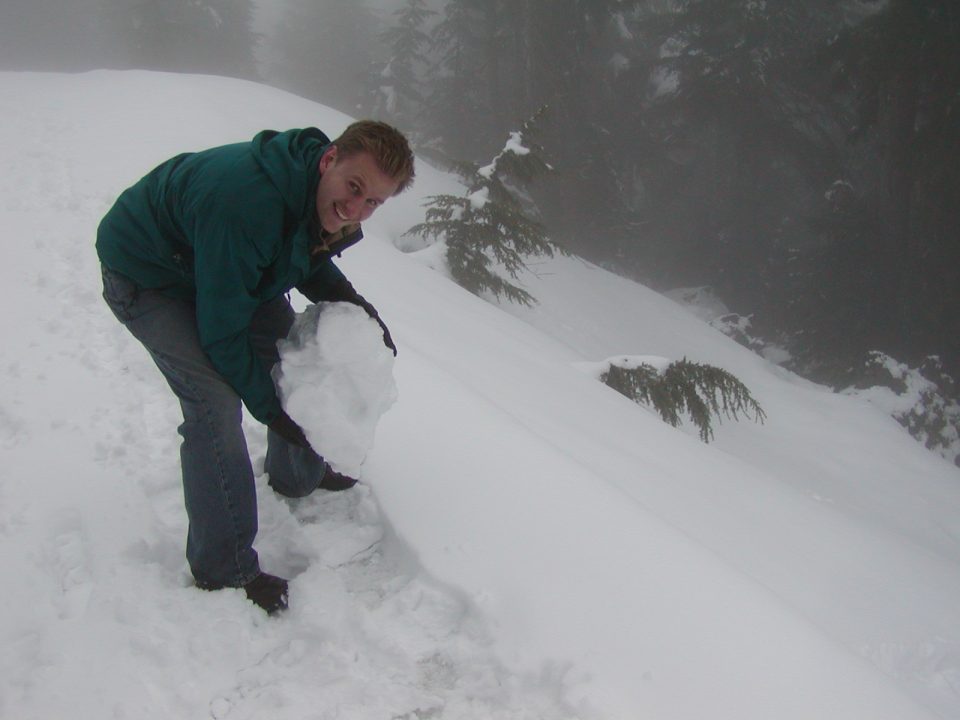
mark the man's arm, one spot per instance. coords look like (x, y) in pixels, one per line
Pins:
(227, 270)
(328, 284)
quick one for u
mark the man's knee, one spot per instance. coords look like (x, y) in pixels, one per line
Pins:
(214, 409)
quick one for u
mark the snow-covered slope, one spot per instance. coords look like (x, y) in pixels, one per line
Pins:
(527, 543)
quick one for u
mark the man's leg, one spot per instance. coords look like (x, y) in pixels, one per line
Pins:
(293, 471)
(218, 482)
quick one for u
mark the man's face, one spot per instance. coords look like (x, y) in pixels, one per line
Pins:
(350, 189)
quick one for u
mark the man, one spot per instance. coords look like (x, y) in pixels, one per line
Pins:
(197, 258)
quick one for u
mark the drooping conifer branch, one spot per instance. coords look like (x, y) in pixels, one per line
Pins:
(701, 391)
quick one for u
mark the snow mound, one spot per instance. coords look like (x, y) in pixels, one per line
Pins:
(702, 302)
(336, 380)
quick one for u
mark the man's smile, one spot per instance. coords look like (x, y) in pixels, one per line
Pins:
(340, 213)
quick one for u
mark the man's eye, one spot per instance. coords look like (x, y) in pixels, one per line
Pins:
(373, 203)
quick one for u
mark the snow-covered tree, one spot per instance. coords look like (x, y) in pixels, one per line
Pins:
(492, 225)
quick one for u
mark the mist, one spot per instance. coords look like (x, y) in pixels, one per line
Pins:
(801, 162)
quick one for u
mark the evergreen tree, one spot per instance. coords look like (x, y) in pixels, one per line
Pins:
(492, 223)
(459, 116)
(896, 72)
(324, 50)
(576, 56)
(398, 95)
(194, 36)
(801, 156)
(740, 151)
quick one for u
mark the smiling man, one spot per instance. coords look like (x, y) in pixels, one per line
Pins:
(197, 259)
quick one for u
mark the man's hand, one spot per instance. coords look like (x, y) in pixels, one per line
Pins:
(284, 426)
(372, 312)
(347, 293)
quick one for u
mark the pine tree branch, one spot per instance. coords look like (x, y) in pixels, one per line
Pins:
(701, 391)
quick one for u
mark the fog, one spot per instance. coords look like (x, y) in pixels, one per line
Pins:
(48, 35)
(802, 161)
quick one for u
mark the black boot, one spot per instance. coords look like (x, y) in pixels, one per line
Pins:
(334, 481)
(267, 591)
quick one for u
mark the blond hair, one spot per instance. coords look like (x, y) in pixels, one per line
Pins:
(387, 145)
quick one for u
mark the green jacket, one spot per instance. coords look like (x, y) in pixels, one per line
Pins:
(229, 229)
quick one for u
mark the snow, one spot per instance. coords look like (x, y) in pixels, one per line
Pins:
(336, 380)
(701, 301)
(524, 543)
(672, 48)
(620, 24)
(893, 403)
(917, 398)
(664, 81)
(390, 97)
(513, 145)
(619, 63)
(479, 198)
(627, 362)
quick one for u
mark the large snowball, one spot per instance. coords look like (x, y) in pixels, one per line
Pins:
(335, 379)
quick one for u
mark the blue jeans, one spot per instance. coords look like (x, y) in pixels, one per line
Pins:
(218, 481)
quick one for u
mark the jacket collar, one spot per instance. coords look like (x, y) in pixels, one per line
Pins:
(329, 244)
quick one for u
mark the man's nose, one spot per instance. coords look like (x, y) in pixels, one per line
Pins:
(356, 207)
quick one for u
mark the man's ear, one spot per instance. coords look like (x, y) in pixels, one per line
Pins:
(328, 158)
